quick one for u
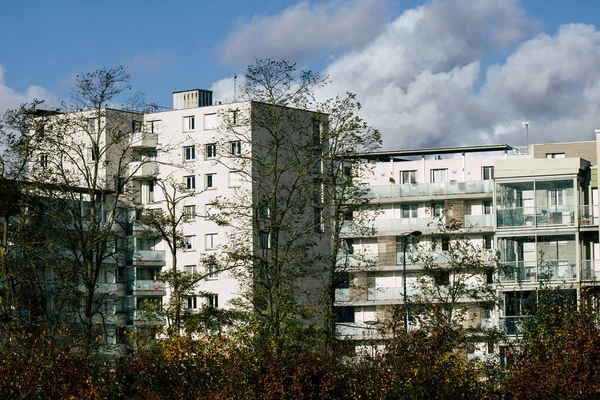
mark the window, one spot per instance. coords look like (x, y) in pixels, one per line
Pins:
(235, 179)
(190, 269)
(487, 173)
(438, 210)
(348, 215)
(316, 133)
(189, 123)
(210, 121)
(555, 155)
(210, 150)
(488, 241)
(213, 272)
(189, 243)
(409, 211)
(409, 176)
(136, 126)
(189, 153)
(348, 245)
(120, 185)
(235, 147)
(318, 220)
(263, 210)
(211, 241)
(43, 160)
(556, 197)
(344, 313)
(439, 175)
(93, 153)
(190, 182)
(192, 302)
(318, 192)
(265, 242)
(348, 173)
(154, 126)
(487, 207)
(92, 125)
(189, 212)
(210, 181)
(213, 300)
(235, 117)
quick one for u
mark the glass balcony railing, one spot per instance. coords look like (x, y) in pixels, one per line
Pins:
(140, 285)
(588, 216)
(342, 294)
(152, 256)
(590, 270)
(390, 293)
(533, 217)
(530, 271)
(391, 225)
(351, 329)
(479, 220)
(513, 325)
(438, 257)
(430, 189)
(350, 260)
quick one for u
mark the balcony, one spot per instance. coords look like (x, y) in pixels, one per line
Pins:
(356, 331)
(147, 287)
(143, 257)
(530, 217)
(530, 271)
(144, 140)
(430, 189)
(477, 221)
(588, 215)
(143, 170)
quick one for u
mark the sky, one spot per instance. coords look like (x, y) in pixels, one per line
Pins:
(427, 73)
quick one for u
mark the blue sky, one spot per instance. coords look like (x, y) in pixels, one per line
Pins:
(442, 72)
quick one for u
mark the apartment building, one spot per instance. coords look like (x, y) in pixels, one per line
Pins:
(536, 208)
(184, 161)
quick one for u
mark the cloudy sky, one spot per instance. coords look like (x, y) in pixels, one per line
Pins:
(434, 73)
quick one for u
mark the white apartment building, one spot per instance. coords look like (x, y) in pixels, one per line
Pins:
(200, 153)
(538, 209)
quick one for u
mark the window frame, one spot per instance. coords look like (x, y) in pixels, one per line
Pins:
(409, 172)
(489, 170)
(189, 153)
(190, 243)
(190, 182)
(210, 241)
(210, 181)
(189, 123)
(433, 172)
(210, 151)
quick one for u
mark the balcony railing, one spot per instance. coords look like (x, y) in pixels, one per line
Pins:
(532, 217)
(150, 256)
(348, 260)
(139, 170)
(588, 215)
(513, 325)
(530, 271)
(355, 330)
(390, 293)
(144, 140)
(479, 220)
(148, 287)
(391, 225)
(590, 270)
(431, 189)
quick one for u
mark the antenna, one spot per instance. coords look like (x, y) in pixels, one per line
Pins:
(234, 87)
(526, 125)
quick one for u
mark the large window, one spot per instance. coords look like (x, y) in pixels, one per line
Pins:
(439, 175)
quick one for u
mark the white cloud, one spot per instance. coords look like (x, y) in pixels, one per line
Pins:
(224, 89)
(305, 30)
(11, 99)
(425, 79)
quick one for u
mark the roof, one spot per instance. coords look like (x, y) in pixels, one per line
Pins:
(382, 155)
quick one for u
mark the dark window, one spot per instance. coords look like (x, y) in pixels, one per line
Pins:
(344, 314)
